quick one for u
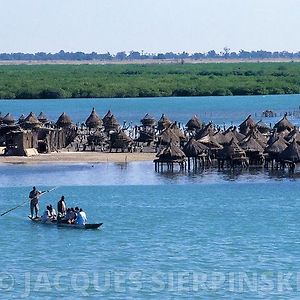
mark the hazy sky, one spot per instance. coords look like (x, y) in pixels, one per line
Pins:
(153, 26)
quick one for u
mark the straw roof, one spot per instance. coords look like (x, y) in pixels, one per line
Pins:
(177, 131)
(220, 138)
(262, 127)
(120, 139)
(250, 144)
(164, 122)
(8, 119)
(21, 119)
(207, 129)
(111, 123)
(246, 125)
(93, 121)
(284, 124)
(31, 121)
(148, 121)
(64, 120)
(259, 137)
(171, 152)
(167, 136)
(107, 117)
(237, 134)
(230, 150)
(291, 153)
(194, 148)
(210, 141)
(42, 117)
(194, 123)
(293, 135)
(229, 135)
(273, 138)
(277, 146)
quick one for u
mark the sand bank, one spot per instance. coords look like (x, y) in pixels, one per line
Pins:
(79, 157)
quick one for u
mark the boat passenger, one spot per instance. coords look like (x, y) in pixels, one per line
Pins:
(46, 215)
(61, 206)
(67, 217)
(72, 216)
(81, 217)
(52, 212)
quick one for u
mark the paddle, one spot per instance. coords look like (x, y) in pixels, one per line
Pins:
(23, 203)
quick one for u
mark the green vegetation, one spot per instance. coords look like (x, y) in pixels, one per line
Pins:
(87, 81)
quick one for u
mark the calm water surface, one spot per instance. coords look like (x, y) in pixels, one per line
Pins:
(190, 236)
(203, 235)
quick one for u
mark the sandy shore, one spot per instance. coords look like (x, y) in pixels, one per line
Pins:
(79, 157)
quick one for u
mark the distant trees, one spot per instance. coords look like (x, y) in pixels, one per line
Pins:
(136, 55)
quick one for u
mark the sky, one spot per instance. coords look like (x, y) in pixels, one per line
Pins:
(151, 26)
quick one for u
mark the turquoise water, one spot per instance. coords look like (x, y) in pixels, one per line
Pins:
(189, 236)
(202, 235)
(218, 109)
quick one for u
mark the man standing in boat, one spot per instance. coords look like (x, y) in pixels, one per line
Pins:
(34, 201)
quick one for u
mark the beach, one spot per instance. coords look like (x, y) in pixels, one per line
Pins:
(79, 157)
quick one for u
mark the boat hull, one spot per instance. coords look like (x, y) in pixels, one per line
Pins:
(74, 226)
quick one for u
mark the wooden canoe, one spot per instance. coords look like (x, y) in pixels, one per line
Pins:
(75, 226)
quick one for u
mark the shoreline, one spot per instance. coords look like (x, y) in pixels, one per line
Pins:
(79, 157)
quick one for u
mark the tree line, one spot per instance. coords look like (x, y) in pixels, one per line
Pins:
(136, 55)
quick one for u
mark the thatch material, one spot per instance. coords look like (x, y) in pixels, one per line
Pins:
(277, 146)
(274, 136)
(94, 121)
(8, 119)
(107, 117)
(262, 127)
(220, 138)
(194, 148)
(231, 150)
(178, 131)
(210, 141)
(42, 118)
(207, 129)
(250, 144)
(64, 120)
(284, 124)
(164, 122)
(237, 134)
(246, 125)
(148, 121)
(291, 153)
(145, 136)
(229, 135)
(111, 123)
(293, 135)
(21, 119)
(171, 153)
(31, 121)
(167, 136)
(194, 123)
(259, 137)
(120, 139)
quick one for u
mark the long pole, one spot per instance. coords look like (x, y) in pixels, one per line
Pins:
(23, 203)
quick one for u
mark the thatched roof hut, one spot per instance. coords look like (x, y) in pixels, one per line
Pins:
(246, 125)
(284, 124)
(276, 147)
(21, 119)
(237, 134)
(207, 129)
(273, 137)
(64, 120)
(262, 127)
(194, 123)
(107, 116)
(220, 138)
(94, 121)
(110, 123)
(291, 153)
(120, 139)
(8, 119)
(148, 121)
(194, 148)
(250, 144)
(164, 122)
(293, 135)
(231, 150)
(177, 131)
(170, 153)
(167, 136)
(31, 121)
(210, 141)
(42, 118)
